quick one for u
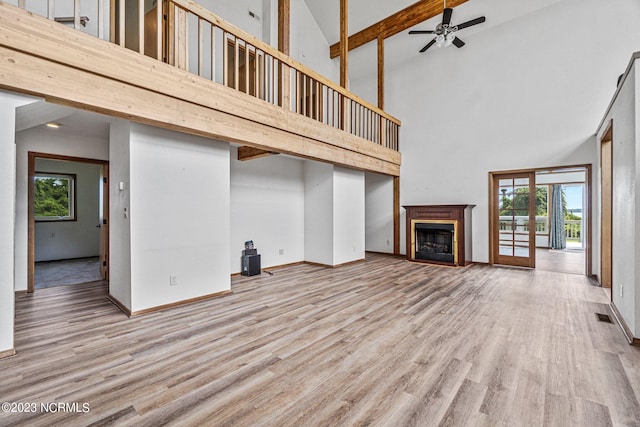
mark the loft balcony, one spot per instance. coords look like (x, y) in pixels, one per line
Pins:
(181, 67)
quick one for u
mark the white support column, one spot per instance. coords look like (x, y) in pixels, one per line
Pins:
(179, 217)
(334, 214)
(8, 104)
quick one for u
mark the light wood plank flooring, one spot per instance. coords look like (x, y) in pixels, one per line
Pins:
(383, 342)
(562, 261)
(66, 272)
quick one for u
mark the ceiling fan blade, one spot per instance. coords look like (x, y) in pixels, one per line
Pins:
(458, 42)
(431, 43)
(446, 16)
(476, 21)
(422, 32)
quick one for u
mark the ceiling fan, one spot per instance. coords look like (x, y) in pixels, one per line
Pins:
(445, 32)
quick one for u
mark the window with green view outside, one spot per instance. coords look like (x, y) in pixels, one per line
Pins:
(54, 197)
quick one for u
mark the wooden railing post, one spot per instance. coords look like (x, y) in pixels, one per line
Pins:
(181, 38)
(303, 93)
(284, 86)
(171, 33)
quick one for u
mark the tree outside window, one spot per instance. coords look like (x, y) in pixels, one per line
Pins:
(54, 197)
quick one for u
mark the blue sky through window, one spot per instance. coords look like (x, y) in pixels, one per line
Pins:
(573, 194)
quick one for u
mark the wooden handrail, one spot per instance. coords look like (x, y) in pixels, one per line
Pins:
(214, 19)
(249, 64)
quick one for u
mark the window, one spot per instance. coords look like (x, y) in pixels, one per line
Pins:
(54, 197)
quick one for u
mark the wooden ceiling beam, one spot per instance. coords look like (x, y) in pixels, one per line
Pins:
(250, 153)
(396, 23)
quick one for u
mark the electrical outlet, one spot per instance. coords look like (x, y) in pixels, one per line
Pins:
(173, 280)
(281, 252)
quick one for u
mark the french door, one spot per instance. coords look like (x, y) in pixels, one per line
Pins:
(513, 219)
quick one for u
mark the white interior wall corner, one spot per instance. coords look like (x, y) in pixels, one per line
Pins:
(378, 213)
(318, 212)
(348, 215)
(179, 215)
(267, 206)
(8, 170)
(636, 139)
(119, 225)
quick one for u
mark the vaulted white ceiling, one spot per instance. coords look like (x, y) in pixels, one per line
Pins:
(403, 47)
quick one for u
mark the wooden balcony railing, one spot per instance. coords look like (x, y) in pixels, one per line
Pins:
(196, 40)
(520, 225)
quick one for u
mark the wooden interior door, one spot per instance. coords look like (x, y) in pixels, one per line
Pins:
(104, 223)
(513, 217)
(606, 209)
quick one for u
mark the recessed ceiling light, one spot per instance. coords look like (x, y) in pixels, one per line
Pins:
(53, 125)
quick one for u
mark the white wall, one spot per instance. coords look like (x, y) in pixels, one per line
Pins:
(318, 212)
(634, 284)
(42, 139)
(179, 217)
(267, 206)
(518, 95)
(56, 240)
(8, 104)
(88, 8)
(308, 44)
(626, 197)
(119, 201)
(334, 214)
(348, 215)
(378, 213)
(237, 13)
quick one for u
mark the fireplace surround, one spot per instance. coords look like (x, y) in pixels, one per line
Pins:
(439, 234)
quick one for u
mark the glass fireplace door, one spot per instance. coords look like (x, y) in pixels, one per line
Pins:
(513, 219)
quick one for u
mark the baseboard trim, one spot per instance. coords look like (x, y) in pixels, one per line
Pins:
(118, 304)
(387, 253)
(293, 264)
(180, 303)
(349, 263)
(8, 353)
(274, 267)
(335, 266)
(623, 325)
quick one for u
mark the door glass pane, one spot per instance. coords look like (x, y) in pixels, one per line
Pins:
(513, 221)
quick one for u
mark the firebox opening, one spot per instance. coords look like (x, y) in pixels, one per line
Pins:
(435, 241)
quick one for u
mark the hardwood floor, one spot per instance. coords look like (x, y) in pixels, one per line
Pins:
(67, 272)
(562, 261)
(383, 342)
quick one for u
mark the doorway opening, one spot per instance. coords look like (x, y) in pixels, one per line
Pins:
(68, 221)
(561, 220)
(540, 218)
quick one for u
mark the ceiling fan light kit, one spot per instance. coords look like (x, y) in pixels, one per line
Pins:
(445, 32)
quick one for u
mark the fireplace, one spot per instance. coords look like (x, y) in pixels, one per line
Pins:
(439, 234)
(435, 241)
